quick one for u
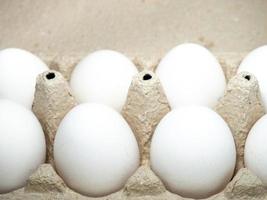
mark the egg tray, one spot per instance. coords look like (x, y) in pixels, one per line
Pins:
(145, 106)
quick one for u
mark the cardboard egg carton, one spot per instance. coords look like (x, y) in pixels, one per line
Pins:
(145, 106)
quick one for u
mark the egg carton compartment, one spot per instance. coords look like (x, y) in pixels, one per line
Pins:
(145, 106)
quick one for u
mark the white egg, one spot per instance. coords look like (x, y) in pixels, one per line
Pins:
(190, 74)
(103, 77)
(18, 72)
(193, 152)
(256, 149)
(22, 145)
(256, 63)
(95, 150)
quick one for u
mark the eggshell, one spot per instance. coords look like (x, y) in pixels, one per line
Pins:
(103, 77)
(22, 145)
(95, 150)
(193, 152)
(18, 72)
(256, 149)
(255, 62)
(190, 74)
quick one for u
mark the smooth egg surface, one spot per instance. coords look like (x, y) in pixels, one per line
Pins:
(190, 74)
(255, 62)
(256, 149)
(193, 152)
(103, 77)
(95, 150)
(22, 145)
(18, 72)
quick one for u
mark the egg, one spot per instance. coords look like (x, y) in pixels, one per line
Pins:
(256, 149)
(95, 150)
(255, 62)
(190, 74)
(193, 152)
(22, 145)
(18, 72)
(103, 77)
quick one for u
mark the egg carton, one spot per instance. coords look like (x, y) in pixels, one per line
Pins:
(145, 106)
